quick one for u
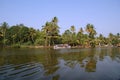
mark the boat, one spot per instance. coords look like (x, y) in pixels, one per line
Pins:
(61, 46)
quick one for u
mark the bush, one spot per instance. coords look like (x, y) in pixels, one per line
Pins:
(28, 43)
(39, 42)
(16, 46)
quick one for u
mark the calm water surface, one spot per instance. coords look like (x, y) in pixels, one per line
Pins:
(62, 64)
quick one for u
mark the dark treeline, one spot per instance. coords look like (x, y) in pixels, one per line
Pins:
(21, 35)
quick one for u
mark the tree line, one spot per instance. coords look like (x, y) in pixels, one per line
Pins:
(49, 35)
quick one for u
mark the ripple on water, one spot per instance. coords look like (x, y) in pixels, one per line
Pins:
(28, 71)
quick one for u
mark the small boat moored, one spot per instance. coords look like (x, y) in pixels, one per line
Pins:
(61, 46)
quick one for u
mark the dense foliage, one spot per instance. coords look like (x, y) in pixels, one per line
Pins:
(49, 35)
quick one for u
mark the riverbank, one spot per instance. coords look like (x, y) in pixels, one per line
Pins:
(34, 46)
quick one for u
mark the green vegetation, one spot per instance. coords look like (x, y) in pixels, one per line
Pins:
(21, 35)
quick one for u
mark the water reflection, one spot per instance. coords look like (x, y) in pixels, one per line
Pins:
(65, 64)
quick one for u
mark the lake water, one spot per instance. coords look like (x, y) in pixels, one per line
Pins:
(62, 64)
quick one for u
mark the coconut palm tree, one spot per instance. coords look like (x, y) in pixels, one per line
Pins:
(51, 30)
(91, 32)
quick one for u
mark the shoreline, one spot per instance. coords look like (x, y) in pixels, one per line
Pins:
(45, 47)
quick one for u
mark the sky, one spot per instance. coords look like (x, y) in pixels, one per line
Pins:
(103, 14)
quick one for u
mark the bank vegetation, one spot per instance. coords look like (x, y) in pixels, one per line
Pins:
(25, 36)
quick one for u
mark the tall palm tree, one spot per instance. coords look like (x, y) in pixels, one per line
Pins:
(51, 30)
(90, 30)
(54, 26)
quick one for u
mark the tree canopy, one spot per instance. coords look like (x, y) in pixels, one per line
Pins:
(49, 35)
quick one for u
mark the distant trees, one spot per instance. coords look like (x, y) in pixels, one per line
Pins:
(18, 34)
(49, 35)
(114, 39)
